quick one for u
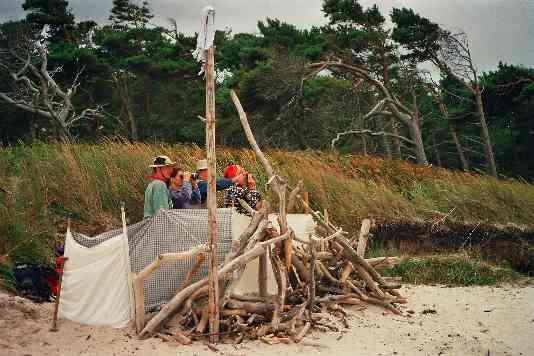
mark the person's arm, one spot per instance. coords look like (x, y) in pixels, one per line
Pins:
(252, 197)
(195, 196)
(203, 190)
(223, 183)
(160, 198)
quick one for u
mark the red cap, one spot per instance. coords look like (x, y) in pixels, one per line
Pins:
(230, 171)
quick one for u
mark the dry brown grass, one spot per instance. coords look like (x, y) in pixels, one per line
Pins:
(48, 182)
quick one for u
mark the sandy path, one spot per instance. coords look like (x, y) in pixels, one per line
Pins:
(467, 321)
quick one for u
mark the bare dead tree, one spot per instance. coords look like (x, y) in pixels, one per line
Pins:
(389, 105)
(121, 82)
(437, 95)
(454, 59)
(32, 86)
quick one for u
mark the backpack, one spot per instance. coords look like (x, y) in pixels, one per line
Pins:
(31, 281)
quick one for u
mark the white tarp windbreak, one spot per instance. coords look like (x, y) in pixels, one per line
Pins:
(96, 279)
(95, 287)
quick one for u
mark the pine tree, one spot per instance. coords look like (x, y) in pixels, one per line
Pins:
(54, 13)
(126, 14)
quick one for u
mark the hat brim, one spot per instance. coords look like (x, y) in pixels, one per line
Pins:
(161, 165)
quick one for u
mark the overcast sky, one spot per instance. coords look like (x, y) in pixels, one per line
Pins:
(498, 29)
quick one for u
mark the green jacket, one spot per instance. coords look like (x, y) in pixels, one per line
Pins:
(156, 198)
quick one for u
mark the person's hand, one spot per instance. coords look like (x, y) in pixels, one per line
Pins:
(187, 176)
(239, 179)
(194, 184)
(251, 183)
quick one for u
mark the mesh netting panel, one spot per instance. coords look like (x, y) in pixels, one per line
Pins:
(170, 231)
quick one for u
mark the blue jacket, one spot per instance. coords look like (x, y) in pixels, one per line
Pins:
(222, 184)
(184, 198)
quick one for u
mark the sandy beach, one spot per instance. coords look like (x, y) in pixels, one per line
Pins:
(437, 321)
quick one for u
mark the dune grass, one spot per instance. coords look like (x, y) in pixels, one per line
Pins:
(452, 270)
(46, 182)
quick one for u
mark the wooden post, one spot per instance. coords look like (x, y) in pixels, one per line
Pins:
(139, 297)
(56, 304)
(364, 236)
(306, 198)
(327, 221)
(213, 285)
(127, 252)
(262, 275)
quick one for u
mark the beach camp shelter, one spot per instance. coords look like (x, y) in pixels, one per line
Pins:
(97, 280)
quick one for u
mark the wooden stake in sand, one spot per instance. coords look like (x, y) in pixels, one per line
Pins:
(213, 289)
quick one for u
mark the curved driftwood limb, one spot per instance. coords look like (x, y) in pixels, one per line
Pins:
(139, 299)
(371, 300)
(341, 299)
(194, 269)
(239, 246)
(139, 279)
(169, 257)
(362, 244)
(180, 297)
(301, 269)
(245, 206)
(251, 307)
(188, 305)
(236, 275)
(280, 275)
(292, 201)
(250, 136)
(288, 326)
(356, 260)
(279, 186)
(363, 237)
(302, 332)
(203, 321)
(383, 262)
(327, 273)
(311, 285)
(246, 298)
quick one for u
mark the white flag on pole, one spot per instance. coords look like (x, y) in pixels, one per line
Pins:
(206, 35)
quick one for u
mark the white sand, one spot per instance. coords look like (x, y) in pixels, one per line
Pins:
(468, 321)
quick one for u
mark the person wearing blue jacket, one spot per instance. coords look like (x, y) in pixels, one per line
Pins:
(183, 190)
(221, 183)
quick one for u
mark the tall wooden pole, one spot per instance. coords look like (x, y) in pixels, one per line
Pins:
(213, 285)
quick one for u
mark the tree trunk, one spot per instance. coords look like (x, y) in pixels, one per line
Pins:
(436, 150)
(458, 144)
(385, 138)
(484, 132)
(122, 87)
(382, 126)
(396, 141)
(452, 127)
(394, 128)
(415, 132)
(415, 135)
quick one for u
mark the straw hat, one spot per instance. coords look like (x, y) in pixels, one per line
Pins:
(202, 164)
(162, 161)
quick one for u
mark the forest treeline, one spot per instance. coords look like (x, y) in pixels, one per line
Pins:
(405, 89)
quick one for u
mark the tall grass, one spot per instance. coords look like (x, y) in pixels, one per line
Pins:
(46, 183)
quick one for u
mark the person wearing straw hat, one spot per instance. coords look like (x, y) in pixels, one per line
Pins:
(221, 183)
(156, 194)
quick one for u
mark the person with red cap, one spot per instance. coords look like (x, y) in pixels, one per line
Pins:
(245, 189)
(221, 183)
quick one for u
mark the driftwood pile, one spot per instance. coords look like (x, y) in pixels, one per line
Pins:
(314, 278)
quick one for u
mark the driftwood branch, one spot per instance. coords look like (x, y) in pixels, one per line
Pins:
(179, 298)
